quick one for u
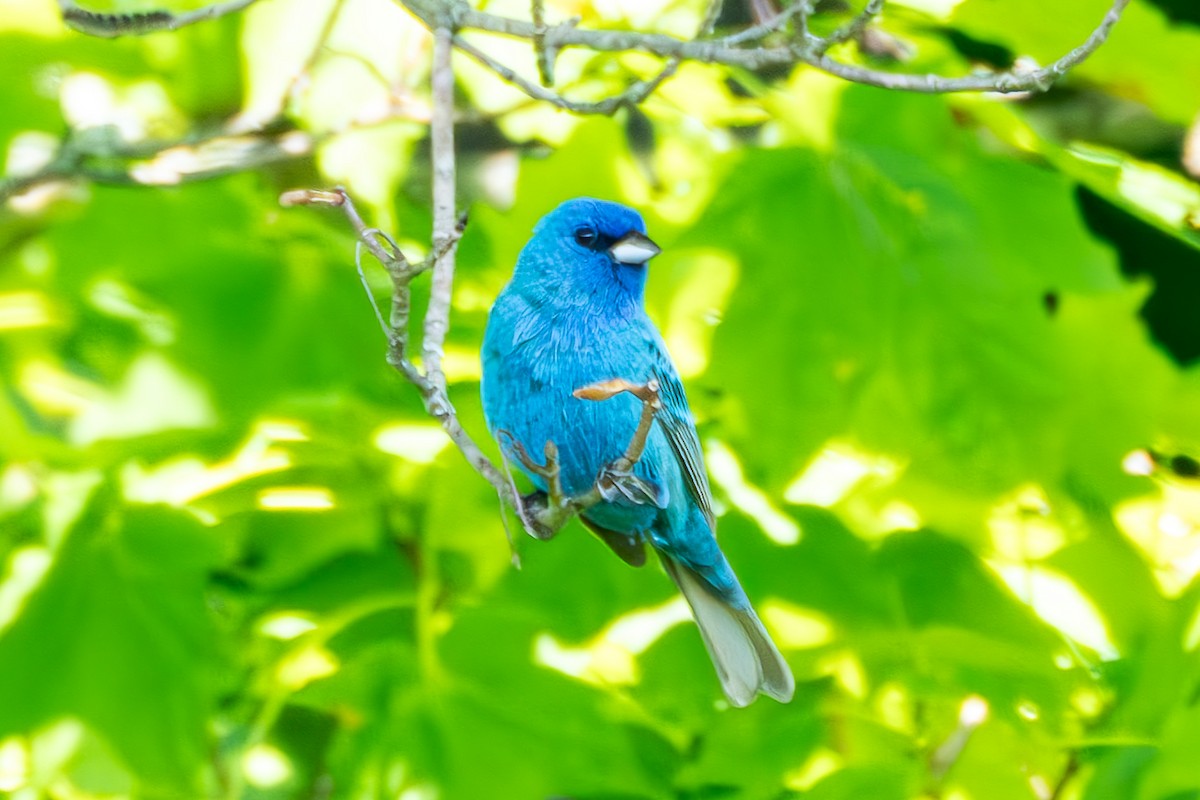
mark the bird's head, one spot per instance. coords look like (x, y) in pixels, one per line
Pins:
(588, 245)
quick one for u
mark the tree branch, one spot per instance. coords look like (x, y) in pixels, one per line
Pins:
(756, 32)
(852, 28)
(542, 517)
(94, 156)
(441, 134)
(447, 19)
(545, 56)
(721, 51)
(110, 26)
(402, 271)
(633, 95)
(456, 15)
(447, 230)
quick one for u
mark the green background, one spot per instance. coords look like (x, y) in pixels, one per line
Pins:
(922, 337)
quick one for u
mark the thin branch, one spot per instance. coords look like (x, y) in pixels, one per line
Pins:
(390, 257)
(441, 133)
(363, 276)
(718, 51)
(540, 519)
(447, 230)
(710, 18)
(853, 28)
(1081, 53)
(301, 75)
(756, 32)
(634, 94)
(631, 96)
(804, 9)
(402, 271)
(108, 160)
(110, 26)
(455, 15)
(545, 56)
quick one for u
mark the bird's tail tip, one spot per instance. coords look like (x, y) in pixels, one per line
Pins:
(746, 659)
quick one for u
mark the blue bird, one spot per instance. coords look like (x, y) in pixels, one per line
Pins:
(573, 316)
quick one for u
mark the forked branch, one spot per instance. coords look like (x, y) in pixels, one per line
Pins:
(455, 17)
(783, 39)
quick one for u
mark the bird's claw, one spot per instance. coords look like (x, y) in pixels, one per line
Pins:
(616, 484)
(604, 390)
(651, 404)
(544, 513)
(535, 507)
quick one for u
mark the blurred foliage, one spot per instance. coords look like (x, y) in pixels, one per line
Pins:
(942, 349)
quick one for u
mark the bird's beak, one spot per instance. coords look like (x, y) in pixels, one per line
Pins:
(634, 248)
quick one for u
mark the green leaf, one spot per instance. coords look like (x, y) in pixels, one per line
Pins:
(119, 618)
(908, 315)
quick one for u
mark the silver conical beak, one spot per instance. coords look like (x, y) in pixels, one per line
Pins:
(634, 248)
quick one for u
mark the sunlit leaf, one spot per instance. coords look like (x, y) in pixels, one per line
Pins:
(126, 593)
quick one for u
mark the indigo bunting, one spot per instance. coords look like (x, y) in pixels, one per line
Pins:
(571, 317)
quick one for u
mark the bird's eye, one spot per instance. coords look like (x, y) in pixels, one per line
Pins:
(586, 237)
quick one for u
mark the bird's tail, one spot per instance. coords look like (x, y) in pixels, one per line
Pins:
(747, 661)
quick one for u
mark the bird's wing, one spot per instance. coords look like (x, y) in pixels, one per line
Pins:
(677, 423)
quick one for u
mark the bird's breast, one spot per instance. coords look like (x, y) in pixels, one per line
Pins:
(536, 365)
(571, 348)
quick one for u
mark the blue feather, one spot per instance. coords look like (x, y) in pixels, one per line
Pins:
(573, 315)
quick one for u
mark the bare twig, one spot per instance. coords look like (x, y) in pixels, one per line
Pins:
(391, 258)
(457, 15)
(362, 276)
(402, 271)
(803, 9)
(441, 133)
(110, 26)
(545, 56)
(718, 51)
(314, 55)
(852, 28)
(447, 230)
(756, 32)
(108, 160)
(710, 18)
(633, 95)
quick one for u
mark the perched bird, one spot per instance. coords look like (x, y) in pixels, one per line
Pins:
(573, 316)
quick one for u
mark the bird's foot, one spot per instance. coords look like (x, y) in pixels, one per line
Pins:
(616, 481)
(617, 484)
(534, 508)
(542, 513)
(651, 404)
